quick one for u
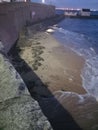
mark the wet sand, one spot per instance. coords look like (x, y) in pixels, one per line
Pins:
(58, 67)
(44, 63)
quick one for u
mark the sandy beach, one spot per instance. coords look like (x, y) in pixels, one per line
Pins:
(59, 68)
(52, 73)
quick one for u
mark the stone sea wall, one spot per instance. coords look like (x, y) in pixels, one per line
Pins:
(18, 111)
(14, 16)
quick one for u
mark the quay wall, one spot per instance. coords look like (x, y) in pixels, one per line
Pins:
(14, 16)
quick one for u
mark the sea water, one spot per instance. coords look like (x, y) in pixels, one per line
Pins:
(81, 35)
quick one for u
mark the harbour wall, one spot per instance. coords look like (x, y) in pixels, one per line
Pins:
(14, 16)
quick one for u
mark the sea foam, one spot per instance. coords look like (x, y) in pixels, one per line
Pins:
(83, 46)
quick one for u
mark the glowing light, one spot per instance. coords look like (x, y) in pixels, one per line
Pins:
(43, 1)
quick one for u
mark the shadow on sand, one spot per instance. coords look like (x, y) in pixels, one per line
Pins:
(58, 116)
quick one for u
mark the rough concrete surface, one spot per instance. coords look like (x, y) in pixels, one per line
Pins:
(18, 111)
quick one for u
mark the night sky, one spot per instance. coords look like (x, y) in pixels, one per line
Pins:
(92, 4)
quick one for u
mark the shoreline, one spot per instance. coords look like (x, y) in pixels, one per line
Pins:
(52, 76)
(59, 68)
(65, 66)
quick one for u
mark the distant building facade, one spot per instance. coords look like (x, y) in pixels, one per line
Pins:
(70, 12)
(85, 12)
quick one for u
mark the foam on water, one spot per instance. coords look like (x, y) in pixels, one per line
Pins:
(80, 99)
(90, 76)
(83, 46)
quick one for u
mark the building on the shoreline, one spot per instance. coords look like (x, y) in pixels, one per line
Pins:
(67, 12)
(85, 12)
(78, 13)
(71, 13)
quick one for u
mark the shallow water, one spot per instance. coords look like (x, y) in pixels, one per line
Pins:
(81, 35)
